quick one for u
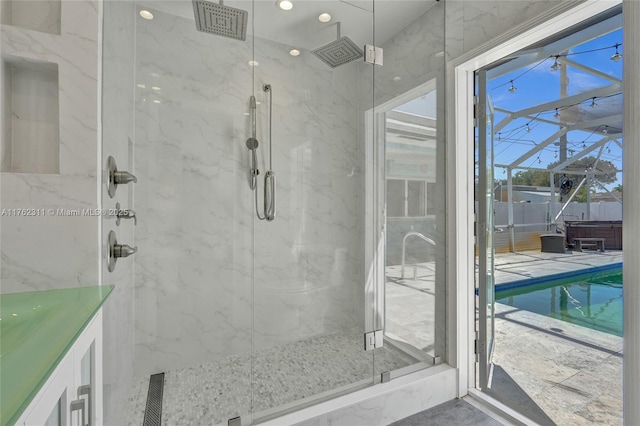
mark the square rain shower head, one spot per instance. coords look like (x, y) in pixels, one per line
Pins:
(220, 20)
(338, 52)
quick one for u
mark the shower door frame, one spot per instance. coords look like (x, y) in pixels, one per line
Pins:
(460, 131)
(376, 214)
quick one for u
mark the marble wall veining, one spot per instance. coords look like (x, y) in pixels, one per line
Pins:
(193, 272)
(308, 267)
(117, 140)
(54, 250)
(200, 243)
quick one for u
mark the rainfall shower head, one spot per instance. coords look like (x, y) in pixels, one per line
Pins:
(217, 19)
(338, 52)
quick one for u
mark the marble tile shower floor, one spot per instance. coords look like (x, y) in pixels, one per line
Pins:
(214, 392)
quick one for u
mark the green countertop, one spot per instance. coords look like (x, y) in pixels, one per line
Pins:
(36, 331)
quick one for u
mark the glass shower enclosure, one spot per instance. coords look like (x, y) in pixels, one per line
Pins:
(256, 139)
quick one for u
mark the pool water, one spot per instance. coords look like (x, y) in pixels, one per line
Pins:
(591, 300)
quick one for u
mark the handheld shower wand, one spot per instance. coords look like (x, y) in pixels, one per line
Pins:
(269, 195)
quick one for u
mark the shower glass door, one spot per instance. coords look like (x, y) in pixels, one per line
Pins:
(193, 274)
(256, 307)
(312, 89)
(409, 202)
(485, 230)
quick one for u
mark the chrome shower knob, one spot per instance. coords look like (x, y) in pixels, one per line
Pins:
(115, 251)
(117, 177)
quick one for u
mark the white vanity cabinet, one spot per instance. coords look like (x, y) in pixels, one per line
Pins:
(72, 395)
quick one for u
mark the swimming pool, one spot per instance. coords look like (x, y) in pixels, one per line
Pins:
(592, 299)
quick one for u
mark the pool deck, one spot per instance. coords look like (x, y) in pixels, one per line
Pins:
(532, 264)
(556, 371)
(553, 371)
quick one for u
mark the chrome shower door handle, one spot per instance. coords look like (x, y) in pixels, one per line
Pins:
(270, 195)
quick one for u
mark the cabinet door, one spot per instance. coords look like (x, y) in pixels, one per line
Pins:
(72, 396)
(88, 370)
(50, 407)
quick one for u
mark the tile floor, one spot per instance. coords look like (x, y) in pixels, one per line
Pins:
(212, 393)
(452, 413)
(556, 372)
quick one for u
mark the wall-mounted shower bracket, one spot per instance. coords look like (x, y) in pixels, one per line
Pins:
(373, 55)
(373, 340)
(116, 177)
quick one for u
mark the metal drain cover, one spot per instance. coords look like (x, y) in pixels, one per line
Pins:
(153, 410)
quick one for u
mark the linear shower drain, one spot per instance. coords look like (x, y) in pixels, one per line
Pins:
(153, 411)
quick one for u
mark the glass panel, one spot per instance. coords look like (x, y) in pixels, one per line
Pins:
(431, 199)
(309, 281)
(409, 101)
(55, 418)
(86, 378)
(485, 228)
(416, 198)
(86, 366)
(395, 198)
(193, 274)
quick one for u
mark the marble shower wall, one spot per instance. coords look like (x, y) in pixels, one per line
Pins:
(200, 244)
(193, 269)
(308, 262)
(54, 250)
(117, 141)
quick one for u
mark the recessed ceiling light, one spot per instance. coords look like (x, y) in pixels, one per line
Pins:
(439, 54)
(140, 85)
(155, 101)
(324, 17)
(146, 15)
(156, 88)
(285, 4)
(254, 63)
(397, 78)
(294, 52)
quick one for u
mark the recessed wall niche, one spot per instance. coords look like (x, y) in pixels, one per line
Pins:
(30, 118)
(37, 15)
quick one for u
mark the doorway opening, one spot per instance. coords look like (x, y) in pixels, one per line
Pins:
(548, 160)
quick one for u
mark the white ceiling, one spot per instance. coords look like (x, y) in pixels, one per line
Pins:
(300, 27)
